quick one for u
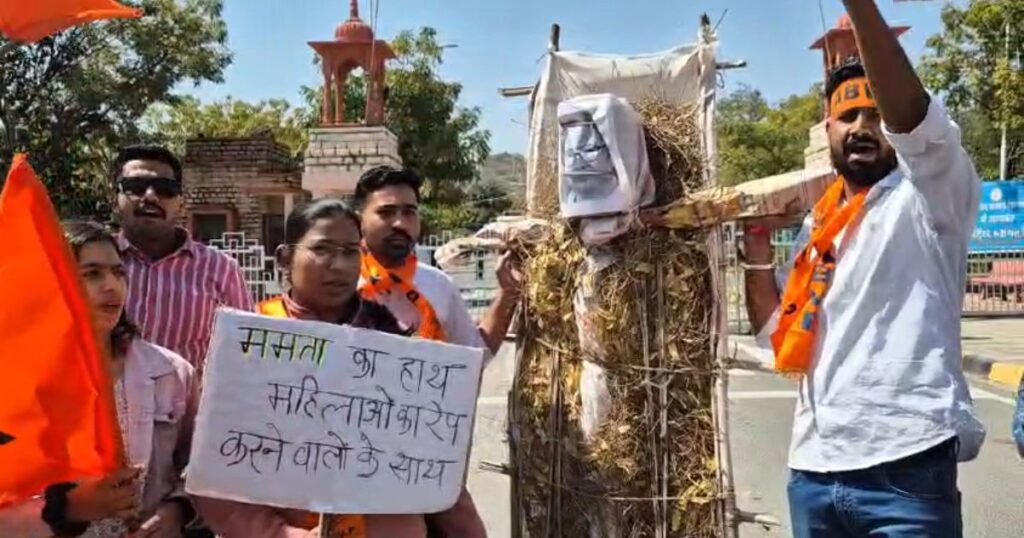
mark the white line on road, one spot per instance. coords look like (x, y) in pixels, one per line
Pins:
(765, 358)
(982, 394)
(979, 394)
(762, 394)
(492, 400)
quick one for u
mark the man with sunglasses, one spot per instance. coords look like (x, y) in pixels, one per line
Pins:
(175, 284)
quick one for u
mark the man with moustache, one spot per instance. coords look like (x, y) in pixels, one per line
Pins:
(175, 284)
(867, 314)
(423, 299)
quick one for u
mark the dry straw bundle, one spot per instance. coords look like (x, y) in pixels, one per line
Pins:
(649, 468)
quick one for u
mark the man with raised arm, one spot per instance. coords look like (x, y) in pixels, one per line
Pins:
(867, 314)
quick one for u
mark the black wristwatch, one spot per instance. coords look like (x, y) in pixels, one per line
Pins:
(55, 511)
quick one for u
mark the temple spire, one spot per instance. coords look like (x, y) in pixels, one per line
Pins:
(353, 9)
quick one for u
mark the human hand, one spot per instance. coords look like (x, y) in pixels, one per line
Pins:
(165, 523)
(757, 236)
(113, 496)
(509, 273)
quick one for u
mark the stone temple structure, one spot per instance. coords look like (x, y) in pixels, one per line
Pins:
(339, 151)
(249, 184)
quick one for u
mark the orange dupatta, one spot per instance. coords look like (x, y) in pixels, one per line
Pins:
(378, 280)
(809, 281)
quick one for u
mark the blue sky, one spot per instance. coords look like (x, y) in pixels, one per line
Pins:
(500, 42)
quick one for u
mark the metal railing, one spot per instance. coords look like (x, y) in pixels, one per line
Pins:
(476, 278)
(258, 269)
(994, 287)
(995, 284)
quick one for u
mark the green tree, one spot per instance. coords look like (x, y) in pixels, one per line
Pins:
(437, 137)
(980, 79)
(187, 118)
(758, 140)
(70, 99)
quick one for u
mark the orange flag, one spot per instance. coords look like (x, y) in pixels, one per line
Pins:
(57, 419)
(27, 21)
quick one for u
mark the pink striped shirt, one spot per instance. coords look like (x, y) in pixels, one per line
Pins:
(173, 300)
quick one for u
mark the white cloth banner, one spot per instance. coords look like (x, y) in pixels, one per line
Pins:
(332, 419)
(682, 75)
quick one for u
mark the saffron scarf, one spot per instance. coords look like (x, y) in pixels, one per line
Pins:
(377, 281)
(794, 338)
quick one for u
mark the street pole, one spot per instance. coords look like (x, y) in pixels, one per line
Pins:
(1004, 146)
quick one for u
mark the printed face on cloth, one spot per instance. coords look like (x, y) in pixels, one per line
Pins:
(860, 152)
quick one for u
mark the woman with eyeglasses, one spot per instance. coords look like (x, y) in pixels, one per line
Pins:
(153, 390)
(320, 261)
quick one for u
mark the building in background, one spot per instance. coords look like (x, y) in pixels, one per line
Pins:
(244, 185)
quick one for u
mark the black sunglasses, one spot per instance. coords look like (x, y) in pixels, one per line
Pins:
(164, 187)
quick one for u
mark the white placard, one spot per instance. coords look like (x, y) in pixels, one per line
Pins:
(332, 419)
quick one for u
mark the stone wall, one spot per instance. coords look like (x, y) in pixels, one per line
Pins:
(337, 156)
(817, 154)
(243, 178)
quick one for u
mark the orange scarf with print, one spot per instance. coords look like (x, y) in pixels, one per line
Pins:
(809, 280)
(377, 280)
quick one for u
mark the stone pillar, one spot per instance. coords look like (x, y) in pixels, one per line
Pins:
(341, 80)
(337, 156)
(375, 95)
(325, 112)
(289, 204)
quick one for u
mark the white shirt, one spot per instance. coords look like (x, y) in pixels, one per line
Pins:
(886, 379)
(448, 304)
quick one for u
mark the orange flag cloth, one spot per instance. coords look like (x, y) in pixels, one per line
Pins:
(27, 21)
(57, 420)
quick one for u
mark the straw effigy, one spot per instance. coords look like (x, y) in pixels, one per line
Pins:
(648, 330)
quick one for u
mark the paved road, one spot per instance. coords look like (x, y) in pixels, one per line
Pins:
(761, 414)
(491, 490)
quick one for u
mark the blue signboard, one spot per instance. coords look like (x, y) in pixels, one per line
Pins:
(1000, 225)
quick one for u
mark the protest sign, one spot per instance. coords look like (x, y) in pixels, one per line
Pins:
(332, 419)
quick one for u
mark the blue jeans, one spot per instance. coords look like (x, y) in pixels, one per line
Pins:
(913, 497)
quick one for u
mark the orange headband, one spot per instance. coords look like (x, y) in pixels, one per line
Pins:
(854, 93)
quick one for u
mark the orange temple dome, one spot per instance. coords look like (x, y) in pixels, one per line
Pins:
(354, 30)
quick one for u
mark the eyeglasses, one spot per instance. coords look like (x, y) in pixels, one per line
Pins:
(326, 253)
(163, 187)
